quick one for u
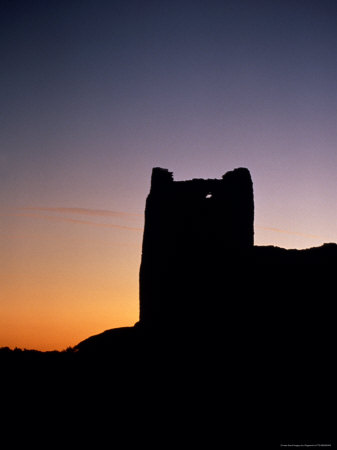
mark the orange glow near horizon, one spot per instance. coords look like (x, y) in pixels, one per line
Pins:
(51, 317)
(64, 281)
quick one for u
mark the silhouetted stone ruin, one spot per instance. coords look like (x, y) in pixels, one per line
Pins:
(191, 227)
(244, 327)
(261, 315)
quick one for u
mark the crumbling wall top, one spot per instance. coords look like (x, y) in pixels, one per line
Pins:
(160, 177)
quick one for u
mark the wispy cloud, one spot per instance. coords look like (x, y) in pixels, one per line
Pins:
(71, 215)
(280, 230)
(85, 212)
(79, 221)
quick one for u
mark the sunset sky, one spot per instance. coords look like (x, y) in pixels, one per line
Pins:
(95, 93)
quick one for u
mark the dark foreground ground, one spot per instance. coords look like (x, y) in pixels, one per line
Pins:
(259, 372)
(178, 393)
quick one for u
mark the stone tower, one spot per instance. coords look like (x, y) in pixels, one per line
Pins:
(191, 229)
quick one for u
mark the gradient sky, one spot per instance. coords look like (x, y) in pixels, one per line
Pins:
(96, 93)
